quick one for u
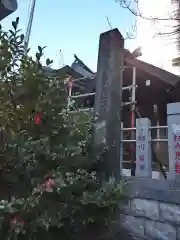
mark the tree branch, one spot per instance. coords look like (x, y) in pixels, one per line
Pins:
(127, 4)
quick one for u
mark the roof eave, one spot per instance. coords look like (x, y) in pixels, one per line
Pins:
(154, 71)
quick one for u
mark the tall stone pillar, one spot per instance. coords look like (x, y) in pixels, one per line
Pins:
(109, 81)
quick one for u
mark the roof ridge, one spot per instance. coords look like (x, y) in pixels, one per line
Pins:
(82, 64)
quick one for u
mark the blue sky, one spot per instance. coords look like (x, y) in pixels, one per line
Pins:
(73, 26)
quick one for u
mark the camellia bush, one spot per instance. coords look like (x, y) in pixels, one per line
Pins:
(49, 186)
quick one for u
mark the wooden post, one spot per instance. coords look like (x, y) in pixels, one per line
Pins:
(109, 80)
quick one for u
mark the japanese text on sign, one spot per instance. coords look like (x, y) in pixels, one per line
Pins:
(176, 140)
(140, 147)
(143, 151)
(176, 128)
